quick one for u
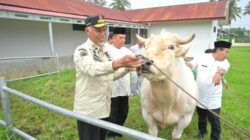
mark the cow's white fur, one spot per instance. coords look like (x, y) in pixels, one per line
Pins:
(162, 102)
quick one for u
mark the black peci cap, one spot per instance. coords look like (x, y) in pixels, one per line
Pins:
(222, 44)
(119, 30)
(110, 36)
(209, 51)
(95, 21)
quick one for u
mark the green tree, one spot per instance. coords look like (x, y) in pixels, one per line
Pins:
(247, 9)
(120, 4)
(234, 10)
(242, 34)
(99, 2)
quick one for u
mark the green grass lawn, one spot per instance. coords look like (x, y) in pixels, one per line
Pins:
(59, 90)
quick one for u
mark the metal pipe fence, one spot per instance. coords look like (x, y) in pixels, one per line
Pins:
(19, 132)
(100, 123)
(28, 57)
(34, 76)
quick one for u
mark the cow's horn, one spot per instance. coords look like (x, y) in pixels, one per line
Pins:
(186, 40)
(141, 39)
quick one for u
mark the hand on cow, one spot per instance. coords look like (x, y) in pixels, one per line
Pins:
(128, 61)
(189, 65)
(131, 69)
(217, 78)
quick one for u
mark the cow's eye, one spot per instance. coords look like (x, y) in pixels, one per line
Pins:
(171, 47)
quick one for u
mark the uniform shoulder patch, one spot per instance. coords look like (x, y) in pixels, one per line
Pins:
(83, 52)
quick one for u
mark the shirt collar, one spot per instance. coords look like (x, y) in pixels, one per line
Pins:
(105, 48)
(92, 45)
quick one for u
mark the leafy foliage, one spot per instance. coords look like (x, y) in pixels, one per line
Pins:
(120, 4)
(247, 9)
(234, 10)
(241, 35)
(99, 2)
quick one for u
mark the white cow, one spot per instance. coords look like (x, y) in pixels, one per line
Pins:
(163, 102)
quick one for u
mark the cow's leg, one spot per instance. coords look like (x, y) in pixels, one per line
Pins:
(146, 103)
(181, 125)
(152, 126)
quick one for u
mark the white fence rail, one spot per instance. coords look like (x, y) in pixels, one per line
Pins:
(236, 44)
(100, 123)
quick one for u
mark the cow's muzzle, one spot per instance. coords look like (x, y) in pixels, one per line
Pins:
(145, 65)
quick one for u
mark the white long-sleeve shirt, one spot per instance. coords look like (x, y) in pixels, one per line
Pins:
(209, 94)
(121, 87)
(136, 49)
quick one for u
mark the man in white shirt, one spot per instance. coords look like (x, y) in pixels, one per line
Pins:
(121, 87)
(138, 47)
(211, 68)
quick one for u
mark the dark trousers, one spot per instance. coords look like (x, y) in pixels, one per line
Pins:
(203, 116)
(119, 112)
(90, 132)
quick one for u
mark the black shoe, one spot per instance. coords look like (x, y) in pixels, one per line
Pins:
(200, 135)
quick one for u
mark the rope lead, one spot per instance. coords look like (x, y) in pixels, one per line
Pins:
(228, 122)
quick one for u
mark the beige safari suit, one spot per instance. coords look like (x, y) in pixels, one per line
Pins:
(94, 78)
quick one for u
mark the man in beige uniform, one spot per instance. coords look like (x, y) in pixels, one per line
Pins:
(95, 72)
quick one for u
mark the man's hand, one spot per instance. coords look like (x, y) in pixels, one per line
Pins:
(189, 65)
(217, 78)
(128, 61)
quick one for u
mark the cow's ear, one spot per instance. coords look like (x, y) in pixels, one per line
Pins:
(181, 52)
(141, 39)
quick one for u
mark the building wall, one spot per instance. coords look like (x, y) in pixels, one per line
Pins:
(20, 38)
(202, 29)
(18, 68)
(66, 40)
(29, 42)
(23, 38)
(214, 33)
(24, 67)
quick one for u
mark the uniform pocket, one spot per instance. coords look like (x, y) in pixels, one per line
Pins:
(101, 78)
